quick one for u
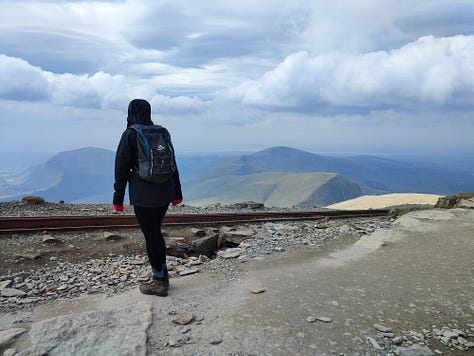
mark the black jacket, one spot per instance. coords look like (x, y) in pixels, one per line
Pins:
(141, 192)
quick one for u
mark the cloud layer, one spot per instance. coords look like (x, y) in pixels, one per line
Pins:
(428, 72)
(241, 69)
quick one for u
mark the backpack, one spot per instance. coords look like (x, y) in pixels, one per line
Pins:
(156, 160)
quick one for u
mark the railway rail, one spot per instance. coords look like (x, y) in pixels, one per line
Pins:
(9, 225)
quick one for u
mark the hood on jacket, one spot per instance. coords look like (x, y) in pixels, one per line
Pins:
(139, 112)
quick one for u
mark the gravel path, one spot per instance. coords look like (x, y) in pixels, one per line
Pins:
(288, 288)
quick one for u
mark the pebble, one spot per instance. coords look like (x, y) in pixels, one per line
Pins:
(185, 330)
(184, 318)
(374, 343)
(229, 253)
(216, 340)
(324, 319)
(257, 290)
(382, 328)
(4, 284)
(12, 292)
(48, 239)
(110, 236)
(188, 271)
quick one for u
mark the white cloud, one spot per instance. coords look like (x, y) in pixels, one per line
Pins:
(241, 72)
(178, 105)
(429, 71)
(20, 81)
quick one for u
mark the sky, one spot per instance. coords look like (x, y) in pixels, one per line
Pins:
(355, 76)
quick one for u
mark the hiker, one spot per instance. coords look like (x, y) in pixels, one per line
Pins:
(150, 200)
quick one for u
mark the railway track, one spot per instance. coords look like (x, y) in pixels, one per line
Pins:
(9, 225)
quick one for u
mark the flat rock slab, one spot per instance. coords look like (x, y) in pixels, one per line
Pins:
(7, 336)
(12, 292)
(115, 332)
(5, 284)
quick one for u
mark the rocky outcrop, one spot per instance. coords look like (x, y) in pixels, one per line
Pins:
(115, 332)
(465, 200)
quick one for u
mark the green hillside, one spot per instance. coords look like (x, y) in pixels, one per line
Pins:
(374, 174)
(274, 189)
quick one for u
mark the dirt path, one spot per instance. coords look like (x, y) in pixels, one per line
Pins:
(413, 279)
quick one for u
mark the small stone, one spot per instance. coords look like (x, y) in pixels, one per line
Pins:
(204, 258)
(198, 232)
(7, 336)
(50, 240)
(4, 284)
(184, 318)
(257, 290)
(12, 292)
(174, 341)
(311, 318)
(185, 330)
(397, 340)
(450, 335)
(195, 262)
(382, 328)
(29, 255)
(462, 340)
(335, 303)
(414, 350)
(389, 335)
(138, 262)
(229, 253)
(216, 341)
(445, 340)
(374, 343)
(188, 271)
(324, 319)
(470, 344)
(110, 236)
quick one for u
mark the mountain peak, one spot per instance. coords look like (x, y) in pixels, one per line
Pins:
(86, 159)
(281, 150)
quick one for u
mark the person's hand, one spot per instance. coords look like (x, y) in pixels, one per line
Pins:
(176, 202)
(118, 208)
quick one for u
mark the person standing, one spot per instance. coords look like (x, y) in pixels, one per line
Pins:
(150, 200)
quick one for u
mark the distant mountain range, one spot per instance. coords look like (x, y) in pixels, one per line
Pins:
(277, 176)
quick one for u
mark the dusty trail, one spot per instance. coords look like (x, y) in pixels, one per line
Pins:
(413, 278)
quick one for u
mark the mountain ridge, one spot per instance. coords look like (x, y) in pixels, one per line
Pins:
(86, 174)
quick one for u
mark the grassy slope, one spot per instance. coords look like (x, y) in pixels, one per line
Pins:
(271, 188)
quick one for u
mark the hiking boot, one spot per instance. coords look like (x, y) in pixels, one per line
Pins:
(165, 279)
(155, 287)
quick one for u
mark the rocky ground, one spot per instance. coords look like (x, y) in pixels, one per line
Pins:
(18, 208)
(45, 266)
(52, 275)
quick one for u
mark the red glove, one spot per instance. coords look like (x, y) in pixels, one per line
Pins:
(118, 208)
(176, 202)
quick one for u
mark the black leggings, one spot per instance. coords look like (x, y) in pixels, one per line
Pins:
(150, 220)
